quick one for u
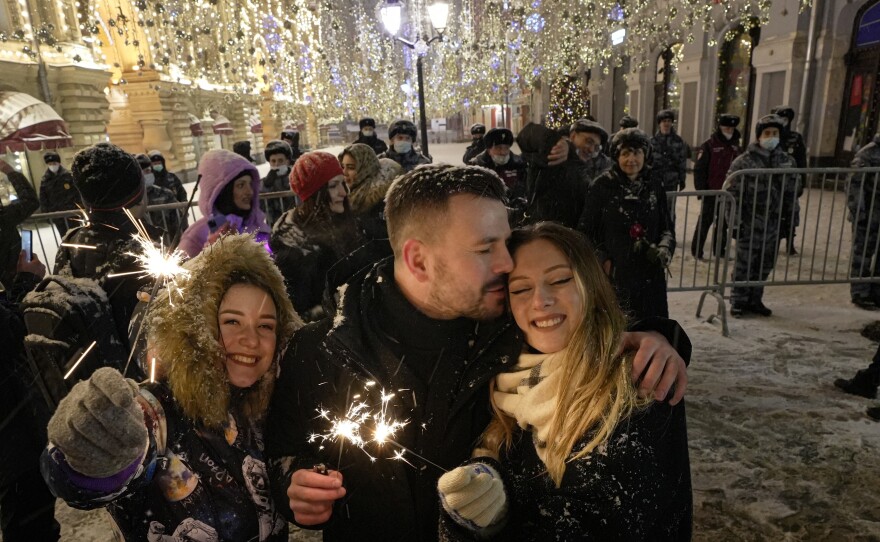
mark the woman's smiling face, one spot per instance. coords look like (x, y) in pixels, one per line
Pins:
(544, 296)
(247, 322)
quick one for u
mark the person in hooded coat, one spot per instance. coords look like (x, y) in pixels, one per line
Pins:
(169, 180)
(402, 134)
(628, 222)
(555, 188)
(367, 136)
(57, 192)
(309, 239)
(478, 143)
(181, 457)
(710, 169)
(278, 154)
(367, 188)
(229, 193)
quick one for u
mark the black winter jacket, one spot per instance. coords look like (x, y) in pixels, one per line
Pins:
(373, 141)
(473, 150)
(615, 205)
(513, 173)
(636, 487)
(11, 215)
(57, 192)
(554, 193)
(408, 161)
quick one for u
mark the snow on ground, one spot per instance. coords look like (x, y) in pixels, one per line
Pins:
(777, 452)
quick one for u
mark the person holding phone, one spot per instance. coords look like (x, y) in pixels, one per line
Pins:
(228, 198)
(11, 216)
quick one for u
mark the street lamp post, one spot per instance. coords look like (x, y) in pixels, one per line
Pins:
(391, 13)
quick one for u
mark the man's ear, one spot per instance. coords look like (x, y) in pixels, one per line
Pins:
(415, 257)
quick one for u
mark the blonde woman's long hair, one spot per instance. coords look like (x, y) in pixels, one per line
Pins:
(596, 390)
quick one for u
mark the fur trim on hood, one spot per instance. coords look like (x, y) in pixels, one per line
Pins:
(184, 332)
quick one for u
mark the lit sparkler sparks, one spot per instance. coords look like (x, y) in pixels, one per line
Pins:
(153, 370)
(78, 361)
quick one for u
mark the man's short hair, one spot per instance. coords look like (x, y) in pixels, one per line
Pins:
(417, 201)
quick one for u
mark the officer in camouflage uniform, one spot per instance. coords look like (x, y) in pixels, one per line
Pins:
(760, 200)
(168, 221)
(794, 145)
(590, 138)
(670, 158)
(863, 200)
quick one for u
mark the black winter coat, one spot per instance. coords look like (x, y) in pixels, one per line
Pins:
(554, 193)
(407, 161)
(513, 173)
(374, 142)
(57, 192)
(637, 487)
(615, 205)
(11, 216)
(473, 150)
(439, 371)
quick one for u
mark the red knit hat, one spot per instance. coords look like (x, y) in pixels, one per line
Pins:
(312, 171)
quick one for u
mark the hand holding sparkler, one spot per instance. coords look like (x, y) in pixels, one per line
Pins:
(312, 495)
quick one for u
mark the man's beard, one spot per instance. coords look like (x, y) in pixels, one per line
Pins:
(454, 299)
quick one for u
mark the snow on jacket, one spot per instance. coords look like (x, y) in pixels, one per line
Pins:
(554, 193)
(209, 481)
(408, 161)
(713, 160)
(373, 142)
(439, 371)
(637, 486)
(669, 160)
(614, 207)
(217, 169)
(863, 195)
(57, 192)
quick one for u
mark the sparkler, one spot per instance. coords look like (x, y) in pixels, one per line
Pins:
(153, 370)
(78, 361)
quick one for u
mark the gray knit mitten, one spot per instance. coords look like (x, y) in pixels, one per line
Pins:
(100, 425)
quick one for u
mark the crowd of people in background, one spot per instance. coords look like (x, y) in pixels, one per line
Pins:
(496, 293)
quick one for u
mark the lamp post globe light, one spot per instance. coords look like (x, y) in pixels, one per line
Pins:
(391, 13)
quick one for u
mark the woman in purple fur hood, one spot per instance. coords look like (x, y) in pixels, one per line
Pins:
(228, 199)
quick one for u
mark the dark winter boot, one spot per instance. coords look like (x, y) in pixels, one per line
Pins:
(759, 308)
(738, 311)
(873, 413)
(863, 384)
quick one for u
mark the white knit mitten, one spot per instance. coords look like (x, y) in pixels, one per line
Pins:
(473, 496)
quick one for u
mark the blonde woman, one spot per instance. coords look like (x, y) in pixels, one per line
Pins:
(572, 451)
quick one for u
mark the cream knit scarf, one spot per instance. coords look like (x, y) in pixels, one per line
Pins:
(529, 393)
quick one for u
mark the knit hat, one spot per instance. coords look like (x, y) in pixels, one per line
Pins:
(107, 177)
(628, 122)
(404, 127)
(726, 119)
(51, 156)
(367, 121)
(312, 171)
(498, 136)
(277, 147)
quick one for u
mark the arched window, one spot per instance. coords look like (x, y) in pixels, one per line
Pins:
(736, 77)
(667, 89)
(861, 103)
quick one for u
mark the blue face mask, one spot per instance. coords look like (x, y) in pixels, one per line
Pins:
(770, 143)
(402, 147)
(158, 168)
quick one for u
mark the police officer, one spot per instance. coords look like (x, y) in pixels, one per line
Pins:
(670, 158)
(710, 169)
(57, 192)
(367, 135)
(508, 165)
(863, 200)
(477, 145)
(793, 143)
(402, 134)
(760, 200)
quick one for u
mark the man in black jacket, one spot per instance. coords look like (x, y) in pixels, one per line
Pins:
(478, 144)
(556, 186)
(367, 136)
(428, 326)
(793, 143)
(508, 165)
(56, 190)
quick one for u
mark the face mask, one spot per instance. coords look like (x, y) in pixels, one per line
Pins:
(770, 143)
(402, 147)
(149, 179)
(54, 169)
(367, 133)
(280, 170)
(501, 160)
(158, 167)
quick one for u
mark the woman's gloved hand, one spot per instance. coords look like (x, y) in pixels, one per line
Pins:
(100, 426)
(473, 495)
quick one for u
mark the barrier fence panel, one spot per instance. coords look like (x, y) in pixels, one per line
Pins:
(701, 228)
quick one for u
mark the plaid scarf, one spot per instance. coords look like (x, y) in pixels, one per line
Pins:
(528, 393)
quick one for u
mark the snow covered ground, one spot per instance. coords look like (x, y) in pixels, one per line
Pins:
(777, 453)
